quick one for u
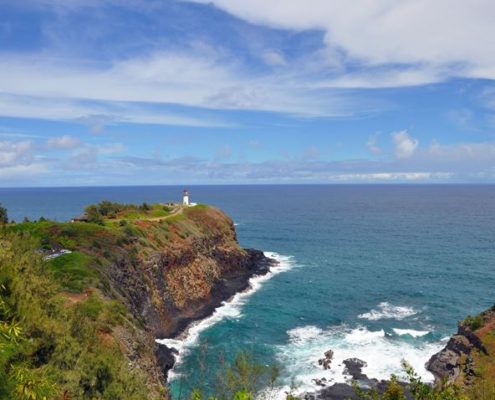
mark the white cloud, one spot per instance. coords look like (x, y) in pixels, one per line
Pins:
(45, 106)
(138, 90)
(112, 148)
(16, 173)
(405, 145)
(274, 58)
(63, 142)
(13, 153)
(372, 146)
(441, 34)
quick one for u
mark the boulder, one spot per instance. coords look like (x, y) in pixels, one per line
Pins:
(325, 362)
(353, 367)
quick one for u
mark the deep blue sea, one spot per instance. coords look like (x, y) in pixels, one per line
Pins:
(382, 273)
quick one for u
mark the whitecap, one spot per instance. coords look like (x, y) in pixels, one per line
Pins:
(229, 309)
(410, 332)
(383, 355)
(388, 311)
(303, 333)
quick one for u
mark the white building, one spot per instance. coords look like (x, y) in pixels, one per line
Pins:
(185, 199)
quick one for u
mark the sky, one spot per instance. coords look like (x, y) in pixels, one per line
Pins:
(157, 92)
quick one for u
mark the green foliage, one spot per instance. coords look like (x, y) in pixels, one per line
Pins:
(474, 322)
(145, 207)
(53, 348)
(415, 387)
(31, 384)
(73, 271)
(111, 210)
(241, 380)
(4, 218)
(93, 214)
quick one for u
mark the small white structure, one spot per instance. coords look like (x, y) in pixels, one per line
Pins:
(185, 199)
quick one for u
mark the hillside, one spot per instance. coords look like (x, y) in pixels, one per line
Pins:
(89, 298)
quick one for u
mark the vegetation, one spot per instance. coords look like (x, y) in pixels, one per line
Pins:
(474, 322)
(416, 389)
(64, 332)
(53, 346)
(241, 380)
(4, 218)
(111, 210)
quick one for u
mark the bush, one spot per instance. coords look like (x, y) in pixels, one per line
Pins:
(4, 218)
(51, 348)
(474, 322)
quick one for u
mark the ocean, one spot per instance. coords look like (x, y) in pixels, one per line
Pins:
(378, 272)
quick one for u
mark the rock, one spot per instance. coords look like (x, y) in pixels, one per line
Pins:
(353, 367)
(320, 382)
(325, 362)
(446, 364)
(338, 391)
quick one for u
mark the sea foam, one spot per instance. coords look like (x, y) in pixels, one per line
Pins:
(382, 353)
(231, 308)
(410, 332)
(388, 311)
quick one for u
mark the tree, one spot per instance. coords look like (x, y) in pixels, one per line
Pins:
(93, 215)
(4, 218)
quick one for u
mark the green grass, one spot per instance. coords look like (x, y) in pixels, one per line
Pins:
(73, 271)
(159, 212)
(175, 218)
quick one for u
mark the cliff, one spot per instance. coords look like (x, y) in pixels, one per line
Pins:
(165, 266)
(467, 360)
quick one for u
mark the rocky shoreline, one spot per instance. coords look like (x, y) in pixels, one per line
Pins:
(456, 363)
(234, 282)
(353, 368)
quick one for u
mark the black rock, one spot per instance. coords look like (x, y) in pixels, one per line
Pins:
(354, 367)
(325, 362)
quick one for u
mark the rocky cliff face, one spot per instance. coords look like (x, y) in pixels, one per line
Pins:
(179, 270)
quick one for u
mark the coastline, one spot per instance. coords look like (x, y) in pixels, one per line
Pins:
(234, 288)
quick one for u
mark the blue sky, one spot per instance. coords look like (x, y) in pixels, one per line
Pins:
(108, 92)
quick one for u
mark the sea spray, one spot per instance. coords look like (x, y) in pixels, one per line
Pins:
(388, 311)
(382, 353)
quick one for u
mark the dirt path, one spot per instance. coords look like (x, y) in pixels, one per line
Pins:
(179, 210)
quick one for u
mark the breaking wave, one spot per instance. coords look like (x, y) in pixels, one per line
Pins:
(410, 332)
(229, 309)
(388, 311)
(382, 353)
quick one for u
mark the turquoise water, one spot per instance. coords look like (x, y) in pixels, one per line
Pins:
(377, 272)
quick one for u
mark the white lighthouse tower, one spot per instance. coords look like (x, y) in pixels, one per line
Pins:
(185, 198)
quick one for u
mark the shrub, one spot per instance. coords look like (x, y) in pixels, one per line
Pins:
(474, 322)
(4, 218)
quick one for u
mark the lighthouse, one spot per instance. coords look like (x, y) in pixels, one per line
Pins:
(185, 198)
